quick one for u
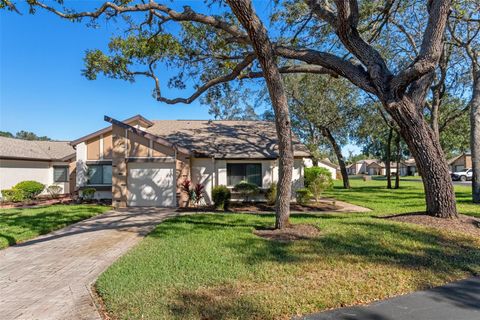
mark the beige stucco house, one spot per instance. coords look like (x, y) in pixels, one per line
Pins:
(374, 167)
(48, 162)
(139, 162)
(460, 162)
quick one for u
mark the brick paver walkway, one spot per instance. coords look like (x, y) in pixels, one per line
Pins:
(50, 277)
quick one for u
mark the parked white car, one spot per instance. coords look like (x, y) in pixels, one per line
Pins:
(462, 175)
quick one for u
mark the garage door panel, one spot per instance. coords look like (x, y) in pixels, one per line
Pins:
(151, 184)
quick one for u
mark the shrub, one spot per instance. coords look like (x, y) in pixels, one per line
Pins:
(318, 180)
(88, 193)
(54, 191)
(221, 196)
(246, 189)
(271, 194)
(303, 196)
(12, 195)
(313, 172)
(30, 189)
(198, 194)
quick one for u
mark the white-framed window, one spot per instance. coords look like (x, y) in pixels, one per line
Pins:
(99, 174)
(60, 174)
(250, 172)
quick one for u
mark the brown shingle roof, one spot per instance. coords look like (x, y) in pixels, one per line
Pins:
(27, 149)
(224, 139)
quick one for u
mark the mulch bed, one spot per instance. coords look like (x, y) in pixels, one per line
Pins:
(36, 202)
(291, 233)
(464, 224)
(259, 207)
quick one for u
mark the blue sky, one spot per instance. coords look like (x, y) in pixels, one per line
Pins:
(42, 89)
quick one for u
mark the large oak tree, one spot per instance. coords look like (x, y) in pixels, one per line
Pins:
(220, 48)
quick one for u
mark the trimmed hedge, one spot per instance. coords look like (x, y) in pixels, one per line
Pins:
(303, 196)
(221, 196)
(30, 188)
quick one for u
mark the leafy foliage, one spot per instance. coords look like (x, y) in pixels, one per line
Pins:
(24, 135)
(221, 196)
(304, 195)
(12, 195)
(317, 180)
(88, 193)
(54, 191)
(246, 190)
(29, 188)
(271, 194)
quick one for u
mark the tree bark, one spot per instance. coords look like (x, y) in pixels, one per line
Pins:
(429, 157)
(397, 176)
(264, 51)
(338, 152)
(475, 136)
(388, 158)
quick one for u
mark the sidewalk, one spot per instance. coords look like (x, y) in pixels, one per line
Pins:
(454, 301)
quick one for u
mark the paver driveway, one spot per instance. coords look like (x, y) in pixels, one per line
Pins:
(50, 277)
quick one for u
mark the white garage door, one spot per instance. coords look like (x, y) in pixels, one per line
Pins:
(150, 184)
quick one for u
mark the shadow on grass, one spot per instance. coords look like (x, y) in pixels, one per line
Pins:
(18, 223)
(216, 303)
(355, 240)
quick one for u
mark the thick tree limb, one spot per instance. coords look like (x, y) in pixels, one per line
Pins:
(292, 69)
(109, 8)
(222, 79)
(430, 50)
(355, 73)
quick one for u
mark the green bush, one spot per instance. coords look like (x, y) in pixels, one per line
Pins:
(304, 196)
(30, 189)
(318, 180)
(88, 193)
(54, 191)
(271, 194)
(221, 196)
(246, 189)
(12, 195)
(313, 172)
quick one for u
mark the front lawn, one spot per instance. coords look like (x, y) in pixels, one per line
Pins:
(410, 197)
(17, 225)
(213, 267)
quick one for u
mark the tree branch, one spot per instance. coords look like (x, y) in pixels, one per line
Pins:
(430, 50)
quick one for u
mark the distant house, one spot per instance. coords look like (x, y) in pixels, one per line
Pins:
(374, 167)
(48, 162)
(460, 162)
(142, 162)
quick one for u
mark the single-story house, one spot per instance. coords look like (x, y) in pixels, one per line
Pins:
(141, 162)
(376, 167)
(460, 162)
(48, 162)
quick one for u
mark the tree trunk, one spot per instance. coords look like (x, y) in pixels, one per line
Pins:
(475, 136)
(388, 159)
(338, 152)
(399, 155)
(263, 48)
(429, 157)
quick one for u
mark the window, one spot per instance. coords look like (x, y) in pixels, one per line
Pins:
(60, 174)
(250, 172)
(100, 174)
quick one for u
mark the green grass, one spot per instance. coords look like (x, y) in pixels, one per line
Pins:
(17, 225)
(213, 267)
(373, 194)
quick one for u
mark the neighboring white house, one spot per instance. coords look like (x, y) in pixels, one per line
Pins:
(44, 161)
(324, 163)
(141, 162)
